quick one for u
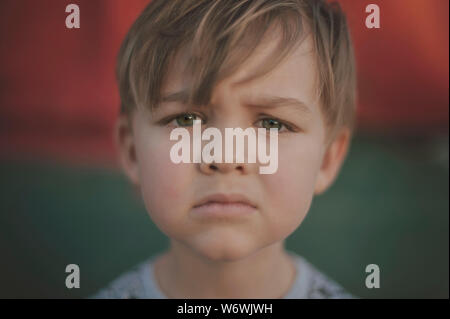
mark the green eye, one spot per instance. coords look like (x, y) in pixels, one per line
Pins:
(271, 123)
(186, 119)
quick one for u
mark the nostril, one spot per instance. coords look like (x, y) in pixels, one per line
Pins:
(215, 167)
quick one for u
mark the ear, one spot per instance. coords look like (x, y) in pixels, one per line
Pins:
(125, 143)
(332, 161)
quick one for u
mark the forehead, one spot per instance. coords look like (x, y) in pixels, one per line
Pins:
(296, 77)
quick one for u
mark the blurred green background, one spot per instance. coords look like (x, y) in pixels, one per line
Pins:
(389, 207)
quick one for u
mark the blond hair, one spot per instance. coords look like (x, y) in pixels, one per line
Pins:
(213, 29)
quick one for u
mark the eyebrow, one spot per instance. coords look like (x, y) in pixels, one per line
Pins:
(264, 101)
(269, 101)
(180, 96)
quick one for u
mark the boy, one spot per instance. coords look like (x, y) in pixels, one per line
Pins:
(276, 64)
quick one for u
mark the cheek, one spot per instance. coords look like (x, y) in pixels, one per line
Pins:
(290, 190)
(165, 186)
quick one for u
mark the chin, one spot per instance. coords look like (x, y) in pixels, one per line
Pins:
(224, 250)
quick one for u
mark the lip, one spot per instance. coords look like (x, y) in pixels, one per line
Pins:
(224, 205)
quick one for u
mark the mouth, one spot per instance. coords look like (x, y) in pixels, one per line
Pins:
(224, 205)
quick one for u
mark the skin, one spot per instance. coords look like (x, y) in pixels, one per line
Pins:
(241, 257)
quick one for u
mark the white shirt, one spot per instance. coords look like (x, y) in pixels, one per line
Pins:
(140, 283)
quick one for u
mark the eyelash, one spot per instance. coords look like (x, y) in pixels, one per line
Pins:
(169, 119)
(289, 128)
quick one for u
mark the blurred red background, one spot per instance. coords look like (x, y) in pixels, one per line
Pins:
(58, 96)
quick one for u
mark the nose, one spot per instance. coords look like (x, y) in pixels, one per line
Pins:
(232, 158)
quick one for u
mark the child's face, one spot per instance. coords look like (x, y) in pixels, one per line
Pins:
(282, 200)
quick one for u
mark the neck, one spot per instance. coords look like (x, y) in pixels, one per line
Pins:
(183, 273)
